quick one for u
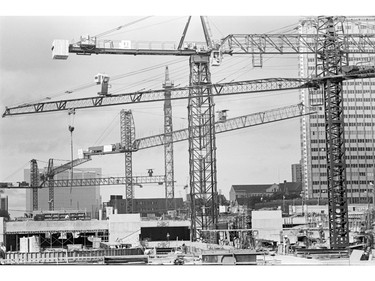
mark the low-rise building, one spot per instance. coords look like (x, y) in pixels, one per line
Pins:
(145, 206)
(252, 190)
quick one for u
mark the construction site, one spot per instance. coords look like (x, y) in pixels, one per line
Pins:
(252, 147)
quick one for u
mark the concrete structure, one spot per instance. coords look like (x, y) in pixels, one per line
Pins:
(296, 173)
(268, 223)
(124, 228)
(359, 117)
(80, 198)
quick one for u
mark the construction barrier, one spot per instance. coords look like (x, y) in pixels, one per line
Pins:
(67, 256)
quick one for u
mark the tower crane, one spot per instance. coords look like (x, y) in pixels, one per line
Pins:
(330, 45)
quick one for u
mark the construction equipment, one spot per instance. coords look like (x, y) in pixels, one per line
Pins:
(137, 180)
(218, 90)
(331, 47)
(49, 175)
(168, 144)
(236, 123)
(34, 182)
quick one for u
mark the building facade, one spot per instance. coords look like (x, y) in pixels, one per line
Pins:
(296, 173)
(3, 202)
(252, 190)
(359, 122)
(145, 206)
(78, 198)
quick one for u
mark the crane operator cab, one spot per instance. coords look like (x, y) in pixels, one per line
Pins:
(150, 172)
(216, 58)
(102, 79)
(222, 115)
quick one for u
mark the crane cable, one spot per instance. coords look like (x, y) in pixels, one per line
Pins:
(117, 28)
(107, 130)
(71, 113)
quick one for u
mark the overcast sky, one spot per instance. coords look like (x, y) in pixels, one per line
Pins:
(261, 154)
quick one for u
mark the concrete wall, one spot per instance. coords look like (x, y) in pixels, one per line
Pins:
(165, 223)
(268, 223)
(46, 226)
(318, 209)
(124, 228)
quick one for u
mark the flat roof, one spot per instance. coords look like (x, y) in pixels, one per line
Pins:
(25, 227)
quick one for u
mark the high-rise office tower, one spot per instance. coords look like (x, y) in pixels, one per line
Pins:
(359, 123)
(3, 202)
(296, 173)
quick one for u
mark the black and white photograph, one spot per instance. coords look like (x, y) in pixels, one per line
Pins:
(187, 138)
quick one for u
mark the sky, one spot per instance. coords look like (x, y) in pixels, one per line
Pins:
(262, 154)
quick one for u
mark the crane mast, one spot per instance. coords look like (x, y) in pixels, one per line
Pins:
(168, 144)
(332, 58)
(34, 181)
(127, 138)
(202, 148)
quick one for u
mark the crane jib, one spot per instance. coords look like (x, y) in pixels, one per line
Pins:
(219, 89)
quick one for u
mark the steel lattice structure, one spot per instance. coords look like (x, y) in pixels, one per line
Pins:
(219, 89)
(168, 144)
(127, 128)
(51, 189)
(332, 57)
(202, 148)
(289, 44)
(254, 119)
(88, 182)
(34, 181)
